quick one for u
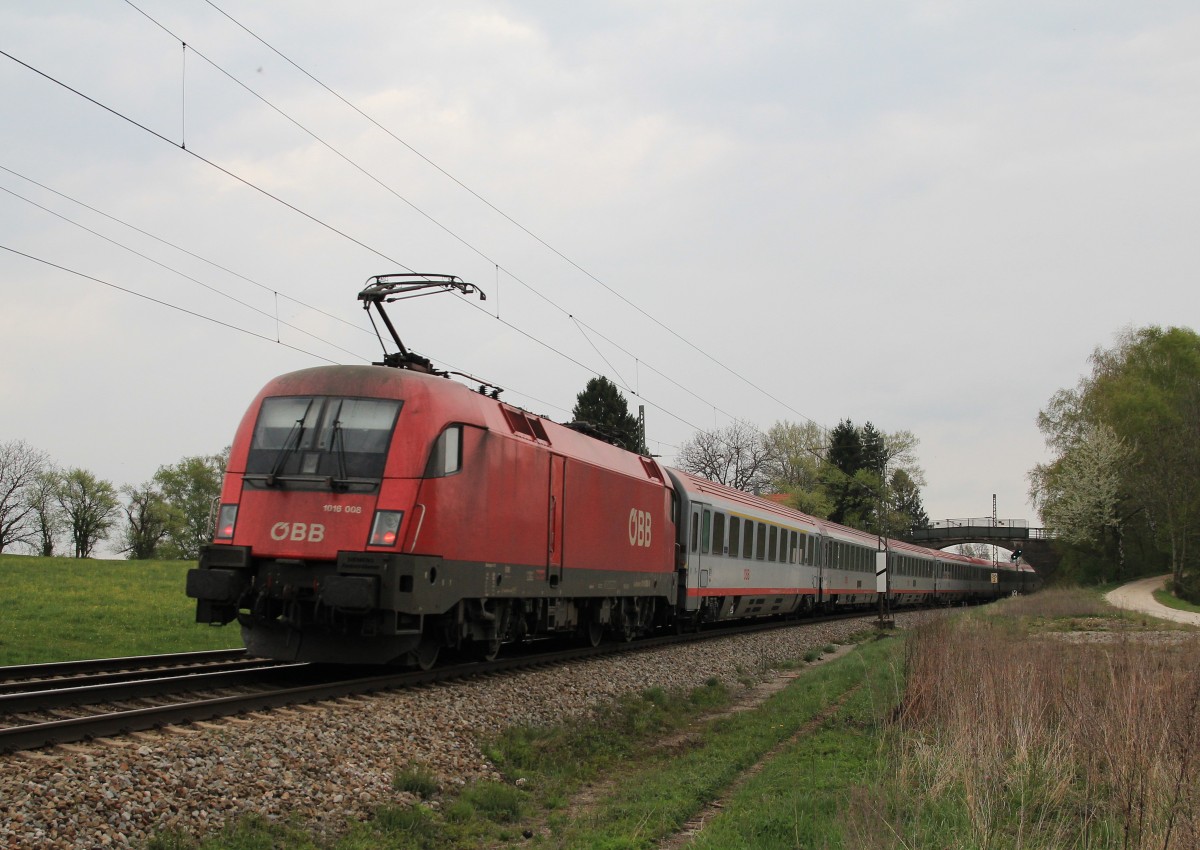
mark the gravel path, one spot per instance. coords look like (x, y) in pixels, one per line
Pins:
(1139, 596)
(334, 762)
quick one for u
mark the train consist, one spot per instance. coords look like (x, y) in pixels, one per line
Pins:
(373, 514)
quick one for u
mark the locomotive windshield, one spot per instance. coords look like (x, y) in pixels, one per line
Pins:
(322, 437)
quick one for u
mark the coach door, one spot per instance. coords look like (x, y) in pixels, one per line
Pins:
(554, 547)
(824, 545)
(699, 524)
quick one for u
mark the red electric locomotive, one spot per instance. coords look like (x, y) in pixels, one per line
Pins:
(377, 515)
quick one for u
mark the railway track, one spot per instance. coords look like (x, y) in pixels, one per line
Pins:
(59, 709)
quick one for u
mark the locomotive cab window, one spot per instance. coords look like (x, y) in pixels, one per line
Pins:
(323, 437)
(446, 457)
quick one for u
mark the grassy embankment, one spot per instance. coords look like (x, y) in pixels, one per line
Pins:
(1048, 722)
(63, 609)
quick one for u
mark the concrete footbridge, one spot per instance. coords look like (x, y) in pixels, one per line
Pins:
(1012, 534)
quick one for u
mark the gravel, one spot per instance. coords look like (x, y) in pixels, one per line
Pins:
(333, 762)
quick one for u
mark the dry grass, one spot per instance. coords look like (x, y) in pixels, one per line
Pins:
(1009, 739)
(1053, 604)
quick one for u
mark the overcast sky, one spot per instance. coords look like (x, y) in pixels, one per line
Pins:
(925, 215)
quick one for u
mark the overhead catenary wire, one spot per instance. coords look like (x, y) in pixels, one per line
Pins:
(184, 275)
(161, 302)
(449, 231)
(183, 250)
(705, 353)
(317, 220)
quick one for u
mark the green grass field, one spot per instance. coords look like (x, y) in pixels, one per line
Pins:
(63, 609)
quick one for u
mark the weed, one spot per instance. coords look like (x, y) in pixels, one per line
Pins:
(416, 780)
(495, 801)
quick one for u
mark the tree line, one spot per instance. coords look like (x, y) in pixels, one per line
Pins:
(854, 475)
(47, 510)
(1122, 490)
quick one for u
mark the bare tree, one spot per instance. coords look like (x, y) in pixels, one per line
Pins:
(736, 455)
(90, 507)
(20, 465)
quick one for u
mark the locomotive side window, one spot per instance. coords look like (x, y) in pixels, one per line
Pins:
(735, 536)
(446, 457)
(322, 436)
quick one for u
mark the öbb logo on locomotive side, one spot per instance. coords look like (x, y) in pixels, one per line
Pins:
(639, 528)
(298, 532)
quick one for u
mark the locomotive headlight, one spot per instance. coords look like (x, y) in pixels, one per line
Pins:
(226, 520)
(385, 528)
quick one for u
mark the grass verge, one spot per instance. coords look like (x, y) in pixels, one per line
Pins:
(1015, 734)
(63, 609)
(1165, 597)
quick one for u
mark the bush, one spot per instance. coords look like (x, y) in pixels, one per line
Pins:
(1188, 587)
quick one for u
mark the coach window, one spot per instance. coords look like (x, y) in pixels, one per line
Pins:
(704, 535)
(735, 536)
(695, 531)
(760, 541)
(773, 544)
(794, 549)
(748, 540)
(718, 533)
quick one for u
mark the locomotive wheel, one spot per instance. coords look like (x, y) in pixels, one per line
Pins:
(426, 653)
(487, 649)
(595, 630)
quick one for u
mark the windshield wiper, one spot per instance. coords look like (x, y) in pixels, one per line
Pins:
(289, 445)
(338, 440)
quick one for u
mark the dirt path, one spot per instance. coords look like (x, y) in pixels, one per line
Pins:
(1139, 596)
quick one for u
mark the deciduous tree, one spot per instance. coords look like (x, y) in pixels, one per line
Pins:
(20, 465)
(147, 519)
(736, 455)
(1126, 443)
(190, 489)
(48, 519)
(89, 505)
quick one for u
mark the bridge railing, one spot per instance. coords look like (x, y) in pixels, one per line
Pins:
(976, 522)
